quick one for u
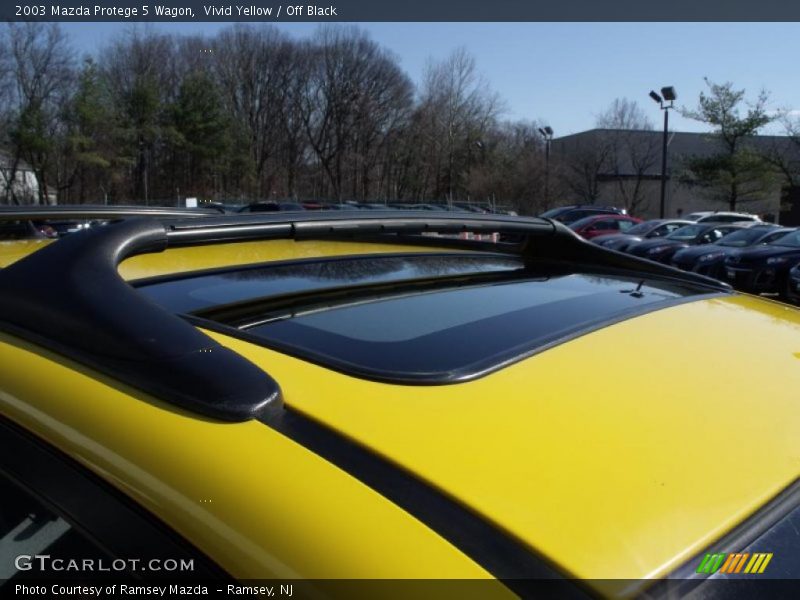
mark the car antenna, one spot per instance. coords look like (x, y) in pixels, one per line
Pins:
(637, 293)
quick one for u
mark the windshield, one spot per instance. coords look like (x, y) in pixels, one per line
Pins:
(741, 238)
(790, 239)
(553, 212)
(643, 228)
(686, 233)
(581, 223)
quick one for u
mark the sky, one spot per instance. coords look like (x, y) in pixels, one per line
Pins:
(565, 74)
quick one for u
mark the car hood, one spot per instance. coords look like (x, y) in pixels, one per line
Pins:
(592, 452)
(615, 237)
(652, 243)
(764, 252)
(692, 252)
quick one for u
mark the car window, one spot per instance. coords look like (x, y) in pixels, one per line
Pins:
(791, 239)
(774, 236)
(553, 212)
(687, 232)
(50, 505)
(18, 230)
(642, 229)
(625, 225)
(605, 225)
(28, 528)
(712, 236)
(661, 231)
(742, 238)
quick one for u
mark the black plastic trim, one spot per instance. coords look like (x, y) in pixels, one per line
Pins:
(540, 239)
(68, 297)
(86, 211)
(501, 554)
(116, 523)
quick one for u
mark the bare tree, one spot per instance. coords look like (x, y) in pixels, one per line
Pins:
(624, 114)
(255, 68)
(582, 170)
(39, 65)
(457, 109)
(511, 167)
(635, 152)
(355, 97)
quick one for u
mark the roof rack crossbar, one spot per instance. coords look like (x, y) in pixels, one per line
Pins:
(89, 211)
(541, 239)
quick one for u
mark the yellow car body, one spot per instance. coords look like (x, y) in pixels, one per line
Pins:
(615, 481)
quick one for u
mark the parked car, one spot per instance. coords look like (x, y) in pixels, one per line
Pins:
(22, 229)
(335, 396)
(68, 227)
(662, 249)
(655, 228)
(258, 207)
(721, 217)
(792, 292)
(601, 225)
(575, 212)
(471, 207)
(709, 259)
(764, 269)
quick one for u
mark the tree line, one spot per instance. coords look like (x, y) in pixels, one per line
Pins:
(251, 114)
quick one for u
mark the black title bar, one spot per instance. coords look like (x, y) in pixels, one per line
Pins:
(399, 10)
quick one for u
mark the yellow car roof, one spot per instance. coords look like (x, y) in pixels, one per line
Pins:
(622, 472)
(616, 454)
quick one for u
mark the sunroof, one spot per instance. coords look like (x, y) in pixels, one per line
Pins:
(415, 319)
(448, 335)
(194, 292)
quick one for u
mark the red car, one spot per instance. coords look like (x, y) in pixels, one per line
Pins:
(590, 227)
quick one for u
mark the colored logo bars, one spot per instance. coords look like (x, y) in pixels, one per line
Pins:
(732, 563)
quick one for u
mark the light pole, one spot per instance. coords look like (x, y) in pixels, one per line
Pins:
(547, 134)
(669, 95)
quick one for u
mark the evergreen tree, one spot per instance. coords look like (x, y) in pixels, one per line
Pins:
(735, 173)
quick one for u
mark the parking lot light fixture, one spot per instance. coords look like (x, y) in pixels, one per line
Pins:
(669, 95)
(547, 134)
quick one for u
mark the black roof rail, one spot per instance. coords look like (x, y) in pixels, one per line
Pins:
(91, 211)
(68, 297)
(51, 297)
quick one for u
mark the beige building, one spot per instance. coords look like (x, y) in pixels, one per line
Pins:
(18, 182)
(623, 168)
